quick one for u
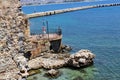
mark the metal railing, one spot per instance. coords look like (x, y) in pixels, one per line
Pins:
(51, 31)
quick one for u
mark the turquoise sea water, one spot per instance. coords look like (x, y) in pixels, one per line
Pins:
(95, 29)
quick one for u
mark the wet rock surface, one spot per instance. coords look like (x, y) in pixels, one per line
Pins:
(52, 73)
(32, 72)
(65, 48)
(78, 78)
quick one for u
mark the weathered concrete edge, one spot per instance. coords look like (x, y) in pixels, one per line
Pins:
(47, 13)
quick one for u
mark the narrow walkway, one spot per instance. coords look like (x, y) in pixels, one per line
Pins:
(45, 37)
(47, 13)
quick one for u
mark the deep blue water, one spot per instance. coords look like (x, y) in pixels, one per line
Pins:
(95, 29)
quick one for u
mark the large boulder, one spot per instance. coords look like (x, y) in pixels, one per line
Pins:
(84, 54)
(81, 58)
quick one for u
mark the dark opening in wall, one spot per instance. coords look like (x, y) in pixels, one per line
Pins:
(27, 55)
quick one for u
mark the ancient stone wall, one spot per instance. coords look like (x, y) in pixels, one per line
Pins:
(13, 34)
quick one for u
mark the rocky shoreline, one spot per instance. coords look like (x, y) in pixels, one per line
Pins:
(53, 61)
(50, 61)
(35, 2)
(14, 43)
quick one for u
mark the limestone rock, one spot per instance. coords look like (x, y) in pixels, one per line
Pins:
(53, 61)
(35, 63)
(52, 73)
(81, 58)
(65, 48)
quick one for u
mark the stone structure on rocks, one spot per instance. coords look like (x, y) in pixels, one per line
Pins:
(13, 33)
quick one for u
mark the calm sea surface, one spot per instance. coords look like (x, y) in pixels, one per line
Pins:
(95, 29)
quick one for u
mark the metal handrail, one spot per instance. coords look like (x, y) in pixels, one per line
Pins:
(51, 31)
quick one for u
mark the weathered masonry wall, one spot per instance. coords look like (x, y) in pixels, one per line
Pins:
(13, 26)
(47, 13)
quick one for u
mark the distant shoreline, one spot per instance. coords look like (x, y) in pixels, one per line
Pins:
(58, 3)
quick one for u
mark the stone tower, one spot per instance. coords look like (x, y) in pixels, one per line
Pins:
(13, 33)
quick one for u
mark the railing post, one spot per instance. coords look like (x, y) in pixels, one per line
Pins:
(59, 32)
(47, 29)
